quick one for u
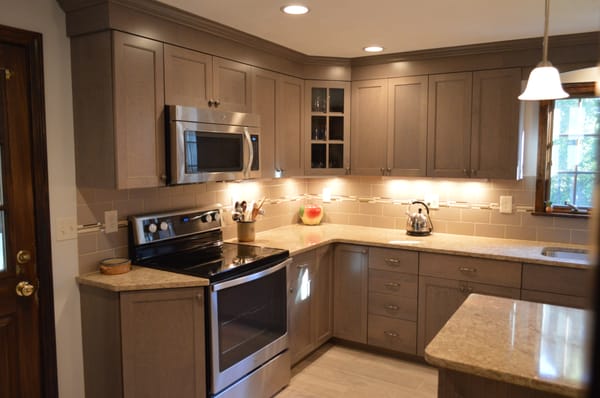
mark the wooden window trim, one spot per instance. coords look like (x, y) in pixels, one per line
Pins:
(542, 183)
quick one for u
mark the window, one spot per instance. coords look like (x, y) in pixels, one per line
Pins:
(570, 130)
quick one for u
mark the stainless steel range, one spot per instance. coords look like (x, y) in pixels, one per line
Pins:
(246, 313)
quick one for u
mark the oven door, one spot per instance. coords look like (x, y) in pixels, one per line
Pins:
(248, 324)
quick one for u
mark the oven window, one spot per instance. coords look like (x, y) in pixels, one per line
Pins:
(251, 316)
(208, 152)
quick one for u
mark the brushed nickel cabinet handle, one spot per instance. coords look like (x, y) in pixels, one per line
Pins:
(390, 333)
(391, 307)
(302, 266)
(465, 289)
(391, 284)
(467, 270)
(392, 261)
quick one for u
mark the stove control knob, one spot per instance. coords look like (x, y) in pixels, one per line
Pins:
(216, 217)
(152, 228)
(164, 226)
(208, 218)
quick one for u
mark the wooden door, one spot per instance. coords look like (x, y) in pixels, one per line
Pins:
(322, 296)
(350, 285)
(449, 125)
(407, 126)
(265, 105)
(139, 103)
(495, 123)
(289, 140)
(26, 308)
(300, 330)
(188, 77)
(369, 127)
(232, 85)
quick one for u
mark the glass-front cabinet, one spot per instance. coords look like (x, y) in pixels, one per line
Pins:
(328, 125)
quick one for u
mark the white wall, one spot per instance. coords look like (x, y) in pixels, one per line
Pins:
(46, 17)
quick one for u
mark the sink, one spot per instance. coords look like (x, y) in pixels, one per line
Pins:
(566, 253)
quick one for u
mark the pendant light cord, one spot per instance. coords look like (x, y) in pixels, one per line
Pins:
(545, 45)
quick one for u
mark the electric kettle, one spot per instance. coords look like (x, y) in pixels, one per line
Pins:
(418, 224)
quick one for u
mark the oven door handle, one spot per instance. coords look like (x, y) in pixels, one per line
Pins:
(248, 140)
(249, 278)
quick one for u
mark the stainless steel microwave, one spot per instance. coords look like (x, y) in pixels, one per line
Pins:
(211, 145)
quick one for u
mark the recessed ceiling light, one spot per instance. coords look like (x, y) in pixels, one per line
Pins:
(295, 9)
(373, 49)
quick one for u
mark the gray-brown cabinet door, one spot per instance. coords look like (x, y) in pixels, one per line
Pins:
(162, 341)
(495, 123)
(449, 125)
(289, 142)
(369, 127)
(300, 329)
(407, 126)
(440, 298)
(265, 105)
(322, 295)
(350, 284)
(188, 77)
(232, 85)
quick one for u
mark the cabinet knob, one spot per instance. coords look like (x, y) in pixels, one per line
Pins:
(388, 171)
(466, 172)
(465, 289)
(347, 170)
(473, 172)
(382, 171)
(216, 103)
(163, 177)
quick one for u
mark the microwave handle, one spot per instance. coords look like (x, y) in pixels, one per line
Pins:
(250, 151)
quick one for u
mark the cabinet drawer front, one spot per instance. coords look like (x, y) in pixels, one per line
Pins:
(396, 283)
(393, 306)
(554, 299)
(394, 260)
(569, 281)
(393, 334)
(496, 272)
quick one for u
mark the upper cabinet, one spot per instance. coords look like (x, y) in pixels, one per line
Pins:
(328, 128)
(118, 100)
(473, 124)
(196, 79)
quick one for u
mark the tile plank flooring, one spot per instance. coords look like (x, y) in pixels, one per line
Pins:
(339, 371)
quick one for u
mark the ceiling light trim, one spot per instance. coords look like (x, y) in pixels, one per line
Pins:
(373, 49)
(295, 9)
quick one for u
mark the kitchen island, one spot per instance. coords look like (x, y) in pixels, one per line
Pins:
(501, 347)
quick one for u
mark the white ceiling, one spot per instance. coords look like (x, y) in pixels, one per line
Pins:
(341, 28)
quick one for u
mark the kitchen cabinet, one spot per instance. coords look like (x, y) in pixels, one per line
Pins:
(196, 79)
(392, 307)
(278, 100)
(473, 124)
(568, 287)
(119, 130)
(445, 282)
(328, 128)
(369, 127)
(143, 343)
(309, 302)
(350, 295)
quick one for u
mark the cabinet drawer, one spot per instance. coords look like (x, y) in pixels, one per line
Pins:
(569, 281)
(554, 299)
(393, 306)
(495, 272)
(393, 334)
(395, 283)
(394, 260)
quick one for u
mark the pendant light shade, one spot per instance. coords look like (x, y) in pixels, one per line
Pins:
(544, 80)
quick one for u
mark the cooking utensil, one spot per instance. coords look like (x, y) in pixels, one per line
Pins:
(418, 224)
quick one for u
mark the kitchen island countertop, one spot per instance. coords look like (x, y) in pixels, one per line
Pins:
(537, 346)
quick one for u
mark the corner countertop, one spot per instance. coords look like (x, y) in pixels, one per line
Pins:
(539, 346)
(299, 238)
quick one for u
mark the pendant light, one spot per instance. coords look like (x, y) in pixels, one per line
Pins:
(544, 80)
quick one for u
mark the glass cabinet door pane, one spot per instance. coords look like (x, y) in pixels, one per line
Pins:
(336, 100)
(317, 156)
(336, 128)
(318, 125)
(319, 99)
(336, 156)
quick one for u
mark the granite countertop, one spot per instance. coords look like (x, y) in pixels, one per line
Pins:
(298, 238)
(539, 346)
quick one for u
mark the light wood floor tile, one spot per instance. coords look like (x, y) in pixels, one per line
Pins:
(336, 371)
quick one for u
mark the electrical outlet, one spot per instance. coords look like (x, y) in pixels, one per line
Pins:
(506, 204)
(66, 228)
(432, 200)
(111, 221)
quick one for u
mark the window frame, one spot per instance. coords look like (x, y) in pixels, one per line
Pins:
(546, 114)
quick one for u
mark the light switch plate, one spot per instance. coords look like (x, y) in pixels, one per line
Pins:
(506, 204)
(111, 222)
(432, 200)
(66, 228)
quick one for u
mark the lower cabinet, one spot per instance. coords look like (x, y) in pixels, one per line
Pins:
(350, 284)
(148, 343)
(309, 302)
(569, 287)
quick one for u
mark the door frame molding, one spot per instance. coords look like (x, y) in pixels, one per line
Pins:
(32, 42)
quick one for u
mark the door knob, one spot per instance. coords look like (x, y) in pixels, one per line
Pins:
(23, 257)
(24, 289)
